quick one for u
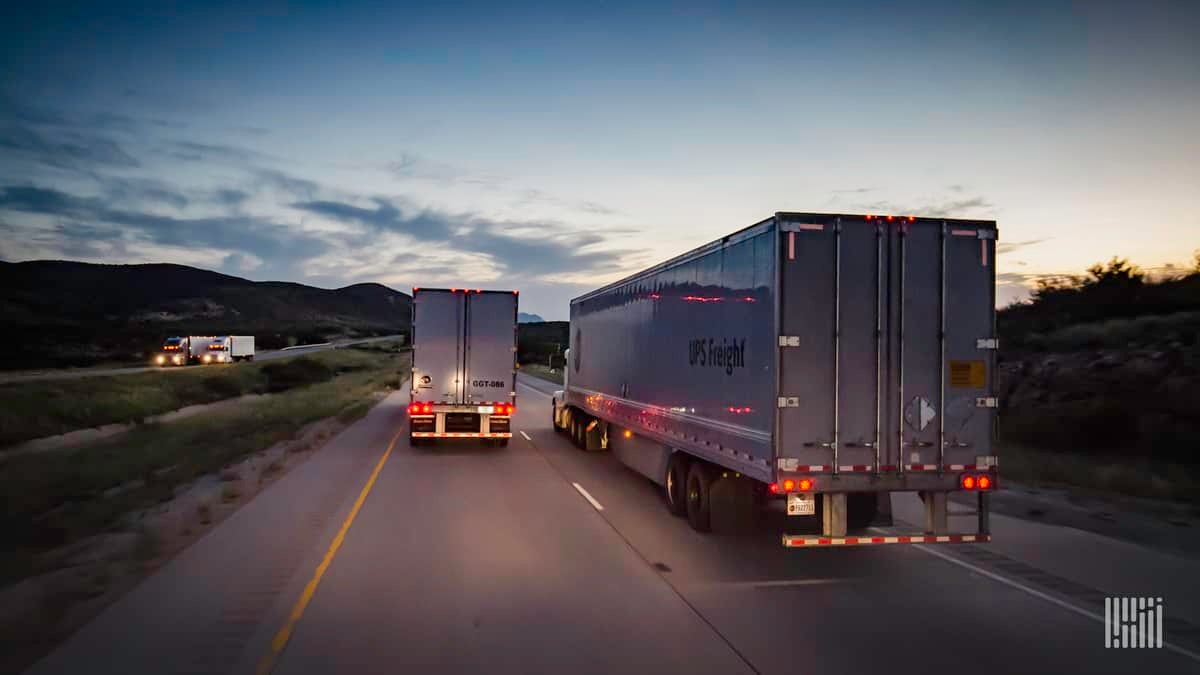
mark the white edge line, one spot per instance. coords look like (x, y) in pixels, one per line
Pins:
(526, 436)
(588, 496)
(1036, 593)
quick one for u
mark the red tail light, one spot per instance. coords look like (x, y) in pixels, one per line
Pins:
(805, 484)
(427, 408)
(774, 488)
(789, 485)
(985, 482)
(967, 482)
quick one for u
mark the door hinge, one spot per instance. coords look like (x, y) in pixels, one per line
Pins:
(789, 340)
(789, 401)
(987, 402)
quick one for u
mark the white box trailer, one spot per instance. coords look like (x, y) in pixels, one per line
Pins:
(825, 359)
(229, 348)
(464, 348)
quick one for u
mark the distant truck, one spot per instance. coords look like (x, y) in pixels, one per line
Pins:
(229, 348)
(175, 351)
(464, 365)
(827, 360)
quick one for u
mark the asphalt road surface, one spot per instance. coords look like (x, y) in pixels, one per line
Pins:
(540, 558)
(73, 373)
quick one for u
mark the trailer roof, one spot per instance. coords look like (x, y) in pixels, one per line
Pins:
(461, 290)
(763, 225)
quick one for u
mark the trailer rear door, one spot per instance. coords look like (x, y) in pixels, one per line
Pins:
(886, 343)
(438, 318)
(491, 341)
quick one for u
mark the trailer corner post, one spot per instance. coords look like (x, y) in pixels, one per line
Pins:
(936, 515)
(833, 514)
(942, 353)
(982, 511)
(837, 338)
(878, 343)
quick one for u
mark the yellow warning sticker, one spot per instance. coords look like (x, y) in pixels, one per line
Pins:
(968, 374)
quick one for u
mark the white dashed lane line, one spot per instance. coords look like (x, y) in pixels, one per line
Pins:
(588, 496)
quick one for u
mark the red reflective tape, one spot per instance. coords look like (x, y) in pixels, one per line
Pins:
(877, 540)
(851, 540)
(904, 540)
(791, 245)
(824, 541)
(983, 252)
(964, 233)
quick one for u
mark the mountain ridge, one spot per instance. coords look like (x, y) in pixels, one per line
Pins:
(63, 313)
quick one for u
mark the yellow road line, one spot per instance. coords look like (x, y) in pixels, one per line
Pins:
(267, 664)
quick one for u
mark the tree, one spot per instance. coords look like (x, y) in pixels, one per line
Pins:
(1119, 272)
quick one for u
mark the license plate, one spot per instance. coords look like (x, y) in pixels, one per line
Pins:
(802, 504)
(486, 409)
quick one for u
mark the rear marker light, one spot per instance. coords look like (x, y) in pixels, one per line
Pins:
(774, 488)
(985, 483)
(628, 434)
(805, 484)
(789, 485)
(967, 482)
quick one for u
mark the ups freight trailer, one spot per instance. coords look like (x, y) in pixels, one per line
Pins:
(464, 365)
(809, 357)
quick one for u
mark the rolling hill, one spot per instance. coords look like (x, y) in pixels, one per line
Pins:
(72, 314)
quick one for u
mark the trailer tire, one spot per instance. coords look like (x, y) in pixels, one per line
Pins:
(675, 485)
(699, 493)
(554, 415)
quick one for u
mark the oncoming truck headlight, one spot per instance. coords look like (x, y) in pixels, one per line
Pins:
(160, 359)
(208, 358)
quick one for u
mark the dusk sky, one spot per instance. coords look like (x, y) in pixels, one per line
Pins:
(554, 148)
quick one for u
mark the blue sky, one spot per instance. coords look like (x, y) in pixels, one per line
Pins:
(555, 147)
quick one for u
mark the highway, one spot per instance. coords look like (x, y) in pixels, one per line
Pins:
(374, 557)
(267, 355)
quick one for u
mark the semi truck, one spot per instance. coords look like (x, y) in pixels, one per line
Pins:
(464, 350)
(822, 360)
(185, 350)
(229, 348)
(175, 351)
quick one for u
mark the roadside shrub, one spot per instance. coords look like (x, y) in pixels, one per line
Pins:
(284, 375)
(354, 412)
(222, 386)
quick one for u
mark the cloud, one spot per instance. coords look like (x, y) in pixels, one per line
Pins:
(860, 190)
(552, 250)
(955, 208)
(297, 188)
(74, 150)
(230, 197)
(197, 152)
(955, 188)
(250, 131)
(141, 191)
(1010, 246)
(414, 166)
(258, 236)
(528, 197)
